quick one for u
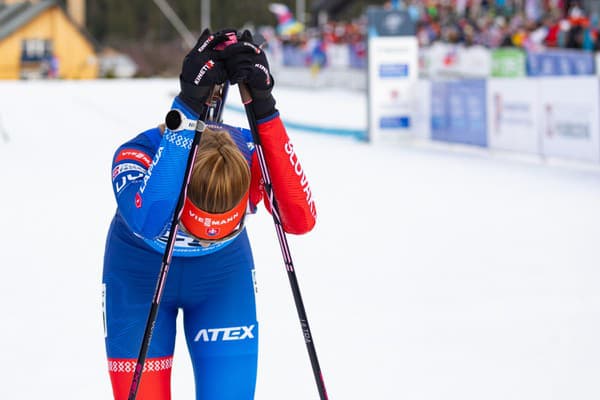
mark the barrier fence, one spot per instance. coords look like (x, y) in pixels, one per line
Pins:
(455, 60)
(537, 102)
(548, 116)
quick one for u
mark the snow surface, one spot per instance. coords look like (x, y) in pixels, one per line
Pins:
(432, 274)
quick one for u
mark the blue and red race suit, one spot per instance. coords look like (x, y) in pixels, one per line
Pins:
(212, 284)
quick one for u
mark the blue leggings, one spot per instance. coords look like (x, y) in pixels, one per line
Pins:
(216, 294)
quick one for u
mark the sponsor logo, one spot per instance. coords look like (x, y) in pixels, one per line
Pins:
(511, 113)
(393, 70)
(289, 150)
(151, 168)
(266, 71)
(135, 155)
(394, 122)
(138, 200)
(576, 130)
(567, 122)
(209, 222)
(392, 22)
(225, 334)
(254, 282)
(206, 43)
(122, 168)
(205, 68)
(306, 331)
(126, 179)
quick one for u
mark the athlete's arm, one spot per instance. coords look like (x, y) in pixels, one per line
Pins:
(290, 185)
(246, 62)
(148, 175)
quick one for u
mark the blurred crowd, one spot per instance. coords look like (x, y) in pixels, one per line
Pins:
(314, 46)
(527, 24)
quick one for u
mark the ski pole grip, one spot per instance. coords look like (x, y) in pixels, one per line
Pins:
(245, 93)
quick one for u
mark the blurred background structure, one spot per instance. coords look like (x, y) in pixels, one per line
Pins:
(44, 40)
(303, 33)
(462, 48)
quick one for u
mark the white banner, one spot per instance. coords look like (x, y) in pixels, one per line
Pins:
(393, 73)
(421, 121)
(569, 117)
(475, 62)
(512, 107)
(338, 56)
(443, 60)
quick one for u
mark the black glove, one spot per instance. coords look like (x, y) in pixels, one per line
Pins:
(202, 69)
(246, 62)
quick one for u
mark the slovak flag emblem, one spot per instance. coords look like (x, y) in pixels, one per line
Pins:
(212, 231)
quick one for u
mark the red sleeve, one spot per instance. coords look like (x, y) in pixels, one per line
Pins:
(257, 185)
(290, 185)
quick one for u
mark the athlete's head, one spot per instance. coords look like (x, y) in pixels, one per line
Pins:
(217, 194)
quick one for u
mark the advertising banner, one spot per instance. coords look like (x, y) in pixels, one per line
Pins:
(512, 120)
(458, 111)
(421, 126)
(474, 62)
(508, 63)
(440, 60)
(439, 110)
(393, 73)
(569, 118)
(444, 60)
(560, 62)
(338, 56)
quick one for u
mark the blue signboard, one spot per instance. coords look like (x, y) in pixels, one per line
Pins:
(382, 22)
(458, 112)
(439, 113)
(396, 122)
(393, 70)
(560, 62)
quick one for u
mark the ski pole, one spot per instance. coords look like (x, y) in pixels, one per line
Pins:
(171, 120)
(285, 249)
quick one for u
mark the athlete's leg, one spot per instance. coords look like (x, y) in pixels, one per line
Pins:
(129, 280)
(222, 331)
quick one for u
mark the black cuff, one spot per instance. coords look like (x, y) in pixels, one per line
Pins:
(194, 104)
(263, 107)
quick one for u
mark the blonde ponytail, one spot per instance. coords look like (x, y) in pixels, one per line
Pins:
(220, 174)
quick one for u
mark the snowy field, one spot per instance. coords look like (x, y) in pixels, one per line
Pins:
(431, 275)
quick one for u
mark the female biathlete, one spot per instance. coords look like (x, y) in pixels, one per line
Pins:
(211, 277)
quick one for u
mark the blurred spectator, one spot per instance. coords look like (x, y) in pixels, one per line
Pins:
(527, 24)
